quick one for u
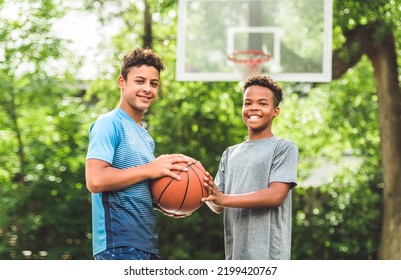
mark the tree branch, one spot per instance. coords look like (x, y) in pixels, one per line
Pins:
(358, 42)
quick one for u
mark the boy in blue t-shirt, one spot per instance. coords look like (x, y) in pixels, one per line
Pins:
(120, 163)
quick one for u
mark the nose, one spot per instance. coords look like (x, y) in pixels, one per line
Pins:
(146, 87)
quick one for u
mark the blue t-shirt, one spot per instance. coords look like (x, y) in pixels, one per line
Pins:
(125, 217)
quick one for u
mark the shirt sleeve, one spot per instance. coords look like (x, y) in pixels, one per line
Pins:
(220, 176)
(285, 164)
(103, 139)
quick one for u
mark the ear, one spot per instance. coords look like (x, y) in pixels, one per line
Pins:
(121, 82)
(276, 111)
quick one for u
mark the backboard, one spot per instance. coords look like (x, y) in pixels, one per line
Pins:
(296, 33)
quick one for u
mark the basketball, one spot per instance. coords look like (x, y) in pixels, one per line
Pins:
(181, 196)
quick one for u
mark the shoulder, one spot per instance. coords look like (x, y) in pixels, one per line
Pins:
(230, 149)
(109, 117)
(286, 146)
(107, 121)
(233, 147)
(286, 143)
(107, 127)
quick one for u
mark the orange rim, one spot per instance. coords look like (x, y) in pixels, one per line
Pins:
(252, 57)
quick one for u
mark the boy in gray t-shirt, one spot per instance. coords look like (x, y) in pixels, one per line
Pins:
(255, 179)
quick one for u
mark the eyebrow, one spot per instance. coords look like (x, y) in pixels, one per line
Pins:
(141, 77)
(261, 99)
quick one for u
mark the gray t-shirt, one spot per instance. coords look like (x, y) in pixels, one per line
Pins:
(264, 233)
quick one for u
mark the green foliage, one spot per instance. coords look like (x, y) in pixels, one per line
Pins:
(197, 237)
(42, 164)
(44, 122)
(352, 13)
(48, 179)
(342, 218)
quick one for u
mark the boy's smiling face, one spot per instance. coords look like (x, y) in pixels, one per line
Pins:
(140, 89)
(259, 110)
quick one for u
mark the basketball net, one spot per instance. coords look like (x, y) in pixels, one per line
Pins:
(249, 62)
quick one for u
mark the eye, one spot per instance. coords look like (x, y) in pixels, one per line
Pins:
(139, 82)
(154, 84)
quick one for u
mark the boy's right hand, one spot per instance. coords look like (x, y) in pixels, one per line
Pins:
(165, 164)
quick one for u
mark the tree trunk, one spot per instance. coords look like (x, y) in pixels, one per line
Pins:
(377, 41)
(382, 53)
(148, 36)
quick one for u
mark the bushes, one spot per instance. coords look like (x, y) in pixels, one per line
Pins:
(339, 221)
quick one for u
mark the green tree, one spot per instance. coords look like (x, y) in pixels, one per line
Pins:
(41, 162)
(340, 217)
(370, 28)
(44, 122)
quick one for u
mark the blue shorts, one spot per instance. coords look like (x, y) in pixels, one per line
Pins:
(126, 253)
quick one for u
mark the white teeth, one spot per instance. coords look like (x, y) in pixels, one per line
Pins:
(254, 117)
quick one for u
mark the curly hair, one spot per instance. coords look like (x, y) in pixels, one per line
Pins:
(138, 57)
(267, 82)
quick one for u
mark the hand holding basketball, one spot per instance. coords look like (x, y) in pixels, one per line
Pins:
(214, 194)
(215, 198)
(181, 197)
(164, 165)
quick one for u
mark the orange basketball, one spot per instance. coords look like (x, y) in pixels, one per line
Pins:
(181, 196)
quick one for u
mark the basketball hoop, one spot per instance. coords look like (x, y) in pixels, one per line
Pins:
(249, 61)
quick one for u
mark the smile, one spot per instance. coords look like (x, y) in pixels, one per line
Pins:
(144, 97)
(254, 117)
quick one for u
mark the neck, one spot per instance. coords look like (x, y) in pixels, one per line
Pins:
(136, 116)
(257, 135)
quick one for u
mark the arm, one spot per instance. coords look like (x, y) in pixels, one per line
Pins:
(101, 176)
(269, 197)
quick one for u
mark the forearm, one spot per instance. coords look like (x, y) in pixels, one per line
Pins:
(101, 176)
(272, 197)
(113, 179)
(249, 200)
